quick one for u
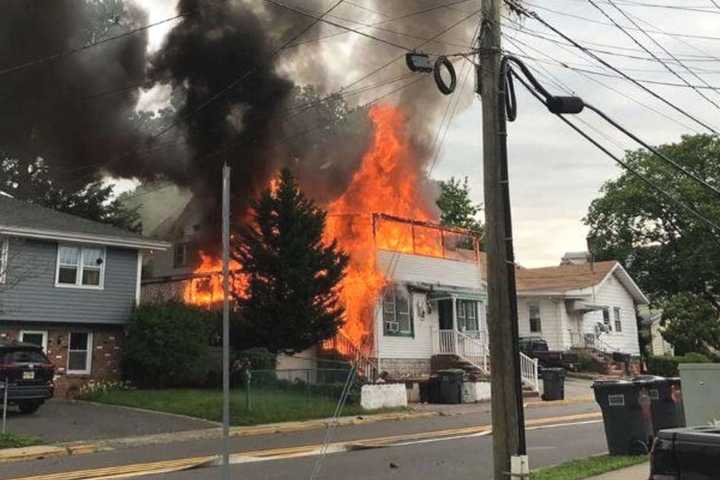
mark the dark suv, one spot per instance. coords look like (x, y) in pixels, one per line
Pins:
(28, 374)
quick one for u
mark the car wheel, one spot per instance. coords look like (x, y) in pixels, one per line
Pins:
(29, 407)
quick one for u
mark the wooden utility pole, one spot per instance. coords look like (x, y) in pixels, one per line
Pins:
(507, 409)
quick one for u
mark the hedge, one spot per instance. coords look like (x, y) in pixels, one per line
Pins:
(667, 366)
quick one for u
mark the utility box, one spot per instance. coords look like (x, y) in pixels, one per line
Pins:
(701, 393)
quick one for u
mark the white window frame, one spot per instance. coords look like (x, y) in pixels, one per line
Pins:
(391, 308)
(536, 306)
(80, 267)
(617, 319)
(44, 334)
(4, 247)
(88, 354)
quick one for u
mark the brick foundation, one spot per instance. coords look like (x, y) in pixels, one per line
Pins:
(106, 352)
(406, 368)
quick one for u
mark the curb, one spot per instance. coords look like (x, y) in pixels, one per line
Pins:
(83, 448)
(556, 403)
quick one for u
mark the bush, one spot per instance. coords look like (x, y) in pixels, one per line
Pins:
(167, 346)
(667, 366)
(587, 363)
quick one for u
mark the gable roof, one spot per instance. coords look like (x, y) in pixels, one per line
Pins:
(24, 219)
(564, 277)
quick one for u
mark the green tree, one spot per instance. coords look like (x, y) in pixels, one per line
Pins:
(456, 207)
(293, 274)
(33, 182)
(674, 257)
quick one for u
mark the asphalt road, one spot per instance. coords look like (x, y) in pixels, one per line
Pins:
(467, 458)
(454, 458)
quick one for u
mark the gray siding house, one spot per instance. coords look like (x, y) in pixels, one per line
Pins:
(68, 284)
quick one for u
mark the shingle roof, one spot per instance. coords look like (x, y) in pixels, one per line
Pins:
(17, 213)
(563, 277)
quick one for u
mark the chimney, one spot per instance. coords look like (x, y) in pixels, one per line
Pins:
(575, 258)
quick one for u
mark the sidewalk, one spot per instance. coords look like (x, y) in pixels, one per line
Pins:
(638, 472)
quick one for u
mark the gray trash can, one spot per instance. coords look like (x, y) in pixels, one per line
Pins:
(553, 384)
(626, 414)
(665, 401)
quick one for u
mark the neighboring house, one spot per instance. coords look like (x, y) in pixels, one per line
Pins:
(657, 345)
(68, 284)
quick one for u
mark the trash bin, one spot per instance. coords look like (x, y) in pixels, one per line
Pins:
(451, 382)
(626, 414)
(665, 401)
(553, 384)
(432, 390)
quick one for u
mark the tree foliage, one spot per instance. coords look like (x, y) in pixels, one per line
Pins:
(292, 300)
(457, 208)
(674, 256)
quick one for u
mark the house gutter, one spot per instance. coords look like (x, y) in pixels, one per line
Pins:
(107, 240)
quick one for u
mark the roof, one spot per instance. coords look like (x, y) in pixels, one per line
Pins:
(24, 219)
(564, 277)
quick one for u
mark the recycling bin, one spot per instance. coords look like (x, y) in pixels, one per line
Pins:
(627, 415)
(553, 384)
(665, 401)
(451, 383)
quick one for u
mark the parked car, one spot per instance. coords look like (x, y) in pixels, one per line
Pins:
(691, 453)
(537, 347)
(27, 374)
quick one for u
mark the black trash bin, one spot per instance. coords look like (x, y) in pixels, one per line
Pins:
(553, 384)
(451, 382)
(626, 415)
(665, 401)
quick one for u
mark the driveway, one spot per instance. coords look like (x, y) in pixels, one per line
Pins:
(65, 421)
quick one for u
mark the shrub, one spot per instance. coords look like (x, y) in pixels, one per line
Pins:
(167, 346)
(587, 363)
(93, 389)
(667, 366)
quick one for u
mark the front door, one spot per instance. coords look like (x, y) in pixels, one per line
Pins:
(445, 314)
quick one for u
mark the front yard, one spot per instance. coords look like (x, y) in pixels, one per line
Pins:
(266, 405)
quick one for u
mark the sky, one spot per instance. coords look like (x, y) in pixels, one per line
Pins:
(555, 173)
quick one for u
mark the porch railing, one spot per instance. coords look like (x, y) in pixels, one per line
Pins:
(467, 345)
(590, 340)
(365, 366)
(529, 371)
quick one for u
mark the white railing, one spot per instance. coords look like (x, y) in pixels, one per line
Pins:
(590, 340)
(364, 366)
(529, 371)
(470, 346)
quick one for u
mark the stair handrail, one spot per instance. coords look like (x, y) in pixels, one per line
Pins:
(483, 347)
(529, 371)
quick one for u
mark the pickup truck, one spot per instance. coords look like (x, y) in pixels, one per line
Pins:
(537, 347)
(691, 453)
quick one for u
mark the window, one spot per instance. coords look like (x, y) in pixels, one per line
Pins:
(80, 353)
(618, 320)
(606, 318)
(36, 337)
(467, 317)
(397, 318)
(4, 246)
(80, 267)
(183, 254)
(534, 315)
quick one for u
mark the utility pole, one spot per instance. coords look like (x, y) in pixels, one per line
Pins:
(509, 452)
(226, 319)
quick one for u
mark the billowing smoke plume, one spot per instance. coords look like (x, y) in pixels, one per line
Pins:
(234, 100)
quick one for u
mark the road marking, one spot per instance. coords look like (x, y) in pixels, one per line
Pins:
(253, 456)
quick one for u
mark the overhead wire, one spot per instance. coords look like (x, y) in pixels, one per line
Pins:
(599, 59)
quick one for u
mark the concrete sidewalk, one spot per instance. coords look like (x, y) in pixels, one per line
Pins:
(638, 472)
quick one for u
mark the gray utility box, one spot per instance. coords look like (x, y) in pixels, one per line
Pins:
(701, 393)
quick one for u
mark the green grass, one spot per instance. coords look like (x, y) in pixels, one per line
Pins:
(267, 406)
(587, 467)
(10, 440)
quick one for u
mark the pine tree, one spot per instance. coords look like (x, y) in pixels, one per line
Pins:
(292, 300)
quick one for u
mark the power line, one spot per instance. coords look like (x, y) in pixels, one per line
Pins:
(659, 190)
(73, 51)
(537, 17)
(685, 8)
(641, 45)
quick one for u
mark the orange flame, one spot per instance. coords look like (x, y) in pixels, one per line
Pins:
(206, 289)
(388, 182)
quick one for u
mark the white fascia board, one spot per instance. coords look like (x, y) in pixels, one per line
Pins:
(110, 241)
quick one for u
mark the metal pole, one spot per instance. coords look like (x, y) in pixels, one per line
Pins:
(226, 319)
(509, 456)
(5, 405)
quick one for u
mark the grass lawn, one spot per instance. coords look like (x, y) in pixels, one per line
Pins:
(587, 467)
(267, 406)
(9, 440)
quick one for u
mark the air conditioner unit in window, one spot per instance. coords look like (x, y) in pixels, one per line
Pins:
(392, 326)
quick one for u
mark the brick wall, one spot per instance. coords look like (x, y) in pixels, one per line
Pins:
(406, 368)
(106, 353)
